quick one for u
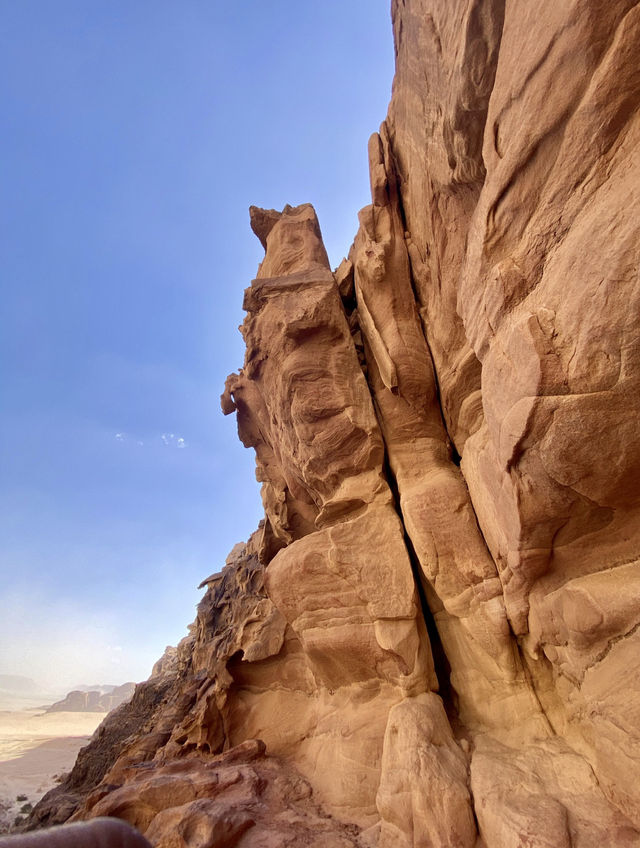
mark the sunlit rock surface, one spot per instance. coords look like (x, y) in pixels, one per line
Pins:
(433, 637)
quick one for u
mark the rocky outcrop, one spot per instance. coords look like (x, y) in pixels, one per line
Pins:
(432, 638)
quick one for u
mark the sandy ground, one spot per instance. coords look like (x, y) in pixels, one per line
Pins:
(35, 747)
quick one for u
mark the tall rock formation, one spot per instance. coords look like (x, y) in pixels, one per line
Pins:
(433, 637)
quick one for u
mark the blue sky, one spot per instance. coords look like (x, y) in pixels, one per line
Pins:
(134, 135)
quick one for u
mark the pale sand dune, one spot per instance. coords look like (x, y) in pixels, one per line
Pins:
(34, 748)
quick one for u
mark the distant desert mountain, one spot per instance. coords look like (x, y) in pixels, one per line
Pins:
(95, 700)
(18, 692)
(103, 688)
(17, 684)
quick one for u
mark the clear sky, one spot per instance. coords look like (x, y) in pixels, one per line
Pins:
(134, 135)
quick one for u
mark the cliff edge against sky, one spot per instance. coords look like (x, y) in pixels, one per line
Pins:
(432, 639)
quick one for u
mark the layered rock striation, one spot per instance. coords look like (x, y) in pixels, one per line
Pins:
(433, 637)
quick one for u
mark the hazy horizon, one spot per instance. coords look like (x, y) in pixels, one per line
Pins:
(133, 144)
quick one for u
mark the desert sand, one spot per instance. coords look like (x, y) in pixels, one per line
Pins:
(36, 747)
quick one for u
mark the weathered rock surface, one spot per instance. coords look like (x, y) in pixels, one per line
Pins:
(433, 639)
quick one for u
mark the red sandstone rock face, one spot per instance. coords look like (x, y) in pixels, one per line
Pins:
(446, 435)
(542, 270)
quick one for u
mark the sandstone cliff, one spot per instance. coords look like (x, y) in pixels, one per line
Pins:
(433, 638)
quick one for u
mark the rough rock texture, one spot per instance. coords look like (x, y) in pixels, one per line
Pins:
(514, 130)
(433, 639)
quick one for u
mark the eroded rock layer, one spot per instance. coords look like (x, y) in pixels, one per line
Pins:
(433, 639)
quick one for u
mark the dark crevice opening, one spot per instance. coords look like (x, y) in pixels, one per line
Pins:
(441, 664)
(440, 661)
(455, 456)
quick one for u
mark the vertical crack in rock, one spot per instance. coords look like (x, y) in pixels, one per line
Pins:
(462, 585)
(441, 664)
